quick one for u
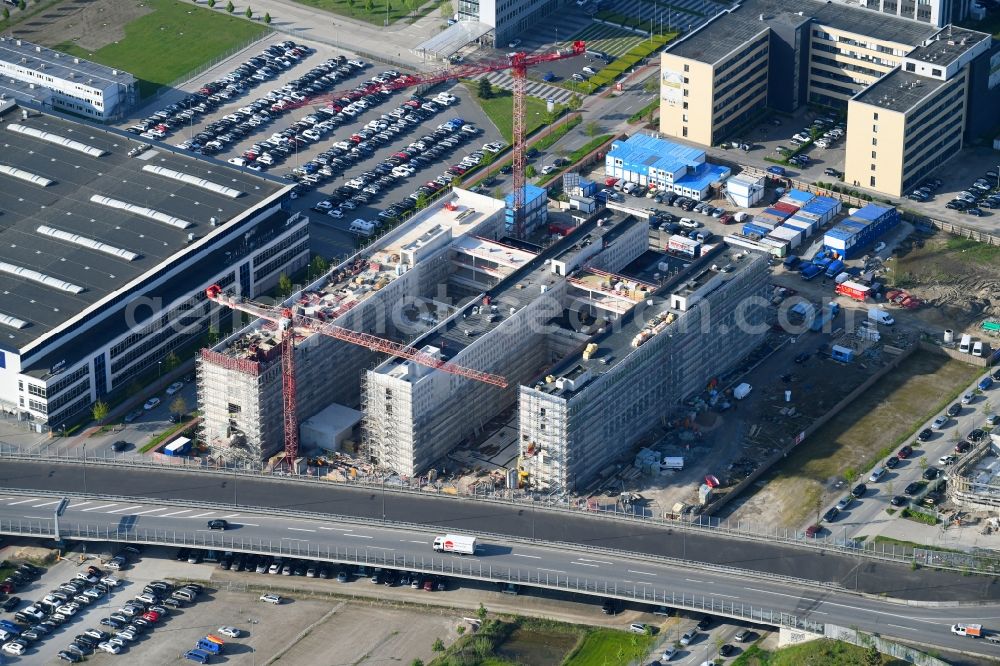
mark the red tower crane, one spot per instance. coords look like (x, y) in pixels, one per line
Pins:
(518, 63)
(288, 321)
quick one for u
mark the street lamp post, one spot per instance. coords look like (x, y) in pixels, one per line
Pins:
(85, 467)
(383, 498)
(159, 369)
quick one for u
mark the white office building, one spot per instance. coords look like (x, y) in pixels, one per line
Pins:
(34, 73)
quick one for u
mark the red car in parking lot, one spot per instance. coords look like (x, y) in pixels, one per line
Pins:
(905, 452)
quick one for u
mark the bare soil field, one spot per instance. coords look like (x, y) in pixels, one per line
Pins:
(90, 24)
(958, 279)
(867, 430)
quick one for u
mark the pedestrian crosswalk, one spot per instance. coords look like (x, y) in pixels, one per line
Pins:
(533, 88)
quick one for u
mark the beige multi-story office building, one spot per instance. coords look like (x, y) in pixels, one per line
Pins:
(912, 120)
(780, 54)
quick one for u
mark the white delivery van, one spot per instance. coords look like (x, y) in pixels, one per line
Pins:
(965, 346)
(881, 317)
(742, 391)
(977, 348)
(362, 227)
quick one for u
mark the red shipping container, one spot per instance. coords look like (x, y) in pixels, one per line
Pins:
(786, 208)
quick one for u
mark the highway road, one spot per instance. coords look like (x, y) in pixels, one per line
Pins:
(447, 513)
(865, 513)
(548, 565)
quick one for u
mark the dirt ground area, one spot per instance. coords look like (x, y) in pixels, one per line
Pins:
(957, 278)
(90, 24)
(868, 429)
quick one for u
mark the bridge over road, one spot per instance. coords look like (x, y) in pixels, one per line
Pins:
(862, 574)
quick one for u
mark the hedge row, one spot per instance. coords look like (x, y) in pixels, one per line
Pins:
(625, 62)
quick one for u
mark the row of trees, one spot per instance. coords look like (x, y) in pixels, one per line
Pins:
(230, 8)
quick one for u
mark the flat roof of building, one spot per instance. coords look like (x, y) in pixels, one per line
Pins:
(61, 65)
(729, 30)
(703, 177)
(656, 153)
(460, 211)
(62, 248)
(948, 45)
(900, 91)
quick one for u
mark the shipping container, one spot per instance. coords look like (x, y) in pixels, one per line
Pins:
(777, 213)
(875, 213)
(779, 248)
(855, 290)
(800, 196)
(793, 236)
(786, 207)
(824, 207)
(752, 230)
(765, 222)
(806, 226)
(178, 447)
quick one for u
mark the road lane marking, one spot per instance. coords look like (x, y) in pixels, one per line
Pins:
(201, 515)
(533, 557)
(175, 513)
(597, 561)
(128, 508)
(692, 580)
(423, 542)
(641, 573)
(333, 529)
(37, 506)
(869, 610)
(581, 564)
(380, 547)
(360, 536)
(819, 612)
(293, 539)
(143, 513)
(552, 570)
(33, 499)
(299, 529)
(38, 517)
(790, 596)
(902, 627)
(250, 524)
(103, 506)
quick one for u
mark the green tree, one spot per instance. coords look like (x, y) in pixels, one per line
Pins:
(171, 362)
(923, 463)
(248, 13)
(6, 13)
(370, 6)
(179, 406)
(100, 410)
(651, 85)
(497, 193)
(488, 158)
(350, 3)
(421, 201)
(413, 5)
(267, 19)
(211, 3)
(485, 88)
(438, 643)
(21, 5)
(456, 181)
(592, 129)
(873, 657)
(575, 102)
(529, 171)
(230, 7)
(417, 662)
(318, 266)
(481, 612)
(284, 285)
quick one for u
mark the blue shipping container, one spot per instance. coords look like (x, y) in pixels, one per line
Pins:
(752, 229)
(874, 213)
(800, 196)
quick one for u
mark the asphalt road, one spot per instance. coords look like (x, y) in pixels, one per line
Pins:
(452, 514)
(870, 508)
(537, 561)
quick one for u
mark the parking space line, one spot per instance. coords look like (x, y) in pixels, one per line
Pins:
(175, 513)
(32, 499)
(128, 508)
(36, 506)
(103, 506)
(77, 505)
(143, 513)
(201, 515)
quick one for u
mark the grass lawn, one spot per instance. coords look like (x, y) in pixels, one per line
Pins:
(870, 428)
(175, 39)
(500, 108)
(609, 647)
(398, 9)
(821, 652)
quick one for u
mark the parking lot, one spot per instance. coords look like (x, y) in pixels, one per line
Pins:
(271, 126)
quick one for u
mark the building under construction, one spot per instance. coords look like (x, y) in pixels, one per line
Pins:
(525, 311)
(591, 408)
(390, 290)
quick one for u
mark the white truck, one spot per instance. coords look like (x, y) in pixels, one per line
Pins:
(972, 630)
(880, 317)
(742, 391)
(362, 227)
(455, 543)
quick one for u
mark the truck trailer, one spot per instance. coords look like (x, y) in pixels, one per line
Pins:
(455, 543)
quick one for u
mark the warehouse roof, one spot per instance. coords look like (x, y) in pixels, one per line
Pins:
(651, 152)
(81, 219)
(900, 91)
(703, 177)
(731, 29)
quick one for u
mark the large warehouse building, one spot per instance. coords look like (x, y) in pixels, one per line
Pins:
(107, 250)
(783, 54)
